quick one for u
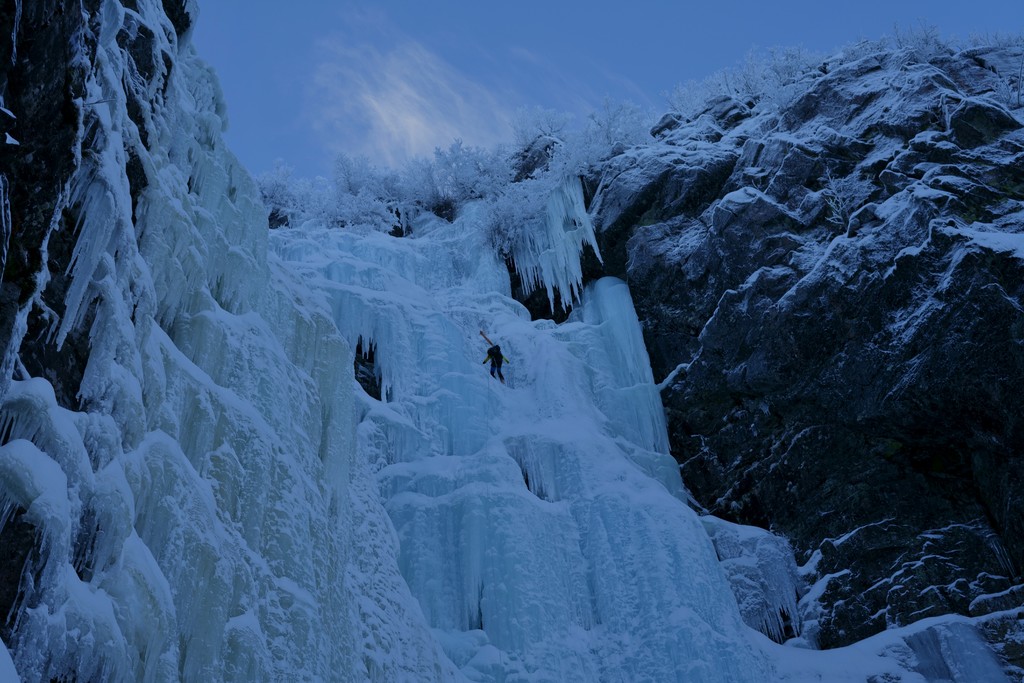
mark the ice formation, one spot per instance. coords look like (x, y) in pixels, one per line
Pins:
(5, 221)
(227, 504)
(175, 510)
(763, 575)
(540, 525)
(548, 253)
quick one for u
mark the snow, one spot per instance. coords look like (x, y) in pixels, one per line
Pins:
(937, 650)
(671, 377)
(996, 241)
(34, 482)
(853, 532)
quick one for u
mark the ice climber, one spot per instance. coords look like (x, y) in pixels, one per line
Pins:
(494, 355)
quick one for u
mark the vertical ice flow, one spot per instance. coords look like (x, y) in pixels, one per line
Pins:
(194, 517)
(540, 525)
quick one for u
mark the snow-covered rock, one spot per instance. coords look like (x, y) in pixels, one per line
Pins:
(836, 283)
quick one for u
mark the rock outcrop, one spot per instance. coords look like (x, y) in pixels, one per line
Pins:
(42, 84)
(837, 285)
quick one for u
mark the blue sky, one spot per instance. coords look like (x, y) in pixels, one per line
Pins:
(308, 79)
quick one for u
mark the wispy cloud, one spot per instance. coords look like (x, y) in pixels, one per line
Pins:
(392, 100)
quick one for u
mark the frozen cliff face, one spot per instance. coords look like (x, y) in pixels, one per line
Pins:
(763, 575)
(540, 524)
(184, 492)
(177, 427)
(838, 285)
(193, 487)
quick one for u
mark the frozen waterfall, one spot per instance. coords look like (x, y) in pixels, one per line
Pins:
(225, 503)
(540, 525)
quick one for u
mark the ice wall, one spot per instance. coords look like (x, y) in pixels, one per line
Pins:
(540, 524)
(763, 574)
(193, 517)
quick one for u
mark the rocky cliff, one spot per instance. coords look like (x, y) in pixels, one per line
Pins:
(832, 289)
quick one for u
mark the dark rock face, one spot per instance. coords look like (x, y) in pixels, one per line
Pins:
(181, 13)
(364, 363)
(842, 282)
(40, 88)
(537, 302)
(534, 157)
(58, 132)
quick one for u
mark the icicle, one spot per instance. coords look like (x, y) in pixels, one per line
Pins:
(549, 254)
(763, 574)
(101, 200)
(5, 222)
(42, 277)
(14, 35)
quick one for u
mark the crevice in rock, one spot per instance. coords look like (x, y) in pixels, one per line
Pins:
(364, 364)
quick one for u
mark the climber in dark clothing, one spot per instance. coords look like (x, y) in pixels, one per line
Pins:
(495, 357)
